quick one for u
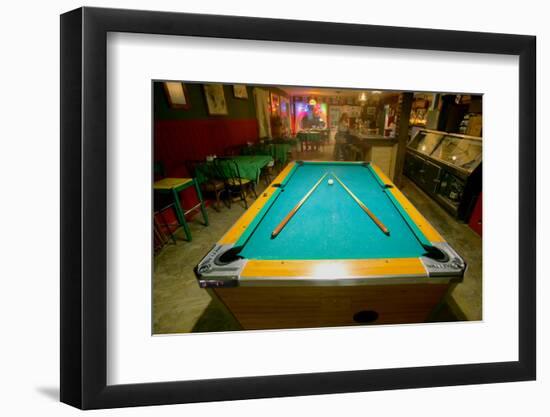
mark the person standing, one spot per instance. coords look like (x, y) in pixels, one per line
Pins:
(341, 137)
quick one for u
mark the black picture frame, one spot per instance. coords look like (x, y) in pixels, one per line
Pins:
(84, 207)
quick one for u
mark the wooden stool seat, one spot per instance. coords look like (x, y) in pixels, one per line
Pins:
(215, 187)
(234, 182)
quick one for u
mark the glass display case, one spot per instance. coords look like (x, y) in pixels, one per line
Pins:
(451, 188)
(459, 151)
(426, 141)
(448, 167)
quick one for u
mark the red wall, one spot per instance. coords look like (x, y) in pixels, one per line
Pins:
(177, 141)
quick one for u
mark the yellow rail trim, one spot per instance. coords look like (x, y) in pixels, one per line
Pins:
(429, 231)
(249, 215)
(336, 268)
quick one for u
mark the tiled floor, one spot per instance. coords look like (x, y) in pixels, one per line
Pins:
(180, 306)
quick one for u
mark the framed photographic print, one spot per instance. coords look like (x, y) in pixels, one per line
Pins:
(215, 99)
(239, 91)
(176, 94)
(192, 250)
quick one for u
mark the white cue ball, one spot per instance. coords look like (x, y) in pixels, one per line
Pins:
(330, 181)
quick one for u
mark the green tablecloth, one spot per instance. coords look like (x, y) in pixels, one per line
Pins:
(278, 151)
(249, 167)
(309, 136)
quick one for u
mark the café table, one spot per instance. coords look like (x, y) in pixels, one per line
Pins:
(250, 167)
(278, 151)
(310, 138)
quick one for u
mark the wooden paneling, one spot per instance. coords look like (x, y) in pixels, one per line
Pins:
(299, 307)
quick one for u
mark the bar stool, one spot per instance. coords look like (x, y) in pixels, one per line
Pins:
(174, 186)
(161, 229)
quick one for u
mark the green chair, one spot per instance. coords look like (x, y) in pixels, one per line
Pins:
(211, 181)
(234, 183)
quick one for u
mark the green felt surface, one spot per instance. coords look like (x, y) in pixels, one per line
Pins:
(330, 224)
(249, 167)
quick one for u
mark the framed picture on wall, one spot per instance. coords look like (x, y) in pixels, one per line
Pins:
(239, 91)
(176, 94)
(215, 99)
(274, 103)
(110, 357)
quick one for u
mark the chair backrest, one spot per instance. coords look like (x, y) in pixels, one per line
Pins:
(263, 149)
(214, 170)
(257, 149)
(228, 169)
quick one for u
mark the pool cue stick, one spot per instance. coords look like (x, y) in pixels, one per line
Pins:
(365, 208)
(292, 212)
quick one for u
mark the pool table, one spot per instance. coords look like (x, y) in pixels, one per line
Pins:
(331, 265)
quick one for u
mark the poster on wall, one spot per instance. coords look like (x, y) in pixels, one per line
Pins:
(354, 111)
(215, 99)
(239, 91)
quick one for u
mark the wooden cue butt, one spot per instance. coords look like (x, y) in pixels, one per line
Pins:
(292, 212)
